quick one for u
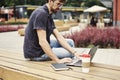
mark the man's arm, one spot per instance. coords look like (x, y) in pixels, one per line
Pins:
(62, 41)
(45, 45)
(47, 49)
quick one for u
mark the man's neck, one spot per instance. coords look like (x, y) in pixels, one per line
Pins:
(50, 12)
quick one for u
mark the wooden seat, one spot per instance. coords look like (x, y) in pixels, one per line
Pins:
(60, 26)
(13, 66)
(21, 32)
(59, 23)
(65, 26)
(72, 23)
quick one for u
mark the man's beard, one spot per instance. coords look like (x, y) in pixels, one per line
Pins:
(54, 11)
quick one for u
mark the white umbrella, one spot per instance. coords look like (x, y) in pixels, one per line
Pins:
(95, 8)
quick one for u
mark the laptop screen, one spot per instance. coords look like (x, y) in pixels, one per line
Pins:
(92, 52)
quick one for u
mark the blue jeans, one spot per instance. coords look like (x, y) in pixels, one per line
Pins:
(58, 50)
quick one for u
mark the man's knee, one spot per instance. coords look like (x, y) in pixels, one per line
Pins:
(70, 42)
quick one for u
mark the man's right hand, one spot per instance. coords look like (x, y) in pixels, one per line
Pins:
(65, 60)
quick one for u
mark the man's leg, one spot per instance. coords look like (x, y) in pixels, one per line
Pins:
(58, 50)
(55, 44)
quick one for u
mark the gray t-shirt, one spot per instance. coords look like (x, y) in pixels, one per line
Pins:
(40, 19)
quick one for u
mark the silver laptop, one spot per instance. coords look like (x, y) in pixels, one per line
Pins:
(77, 62)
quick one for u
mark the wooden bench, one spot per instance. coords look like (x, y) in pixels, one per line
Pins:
(60, 25)
(13, 66)
(65, 26)
(21, 32)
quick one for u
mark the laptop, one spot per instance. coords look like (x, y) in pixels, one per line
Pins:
(77, 62)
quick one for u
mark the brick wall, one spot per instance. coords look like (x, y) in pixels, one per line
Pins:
(116, 12)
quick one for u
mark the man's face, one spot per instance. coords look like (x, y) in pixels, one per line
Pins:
(57, 5)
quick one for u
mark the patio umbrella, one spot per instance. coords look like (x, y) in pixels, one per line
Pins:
(95, 8)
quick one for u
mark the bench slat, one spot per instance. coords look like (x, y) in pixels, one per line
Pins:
(75, 73)
(36, 72)
(16, 62)
(10, 74)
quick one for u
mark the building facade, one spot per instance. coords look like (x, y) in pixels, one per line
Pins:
(116, 12)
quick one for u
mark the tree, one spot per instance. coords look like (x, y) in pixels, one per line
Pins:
(6, 3)
(89, 3)
(72, 3)
(36, 2)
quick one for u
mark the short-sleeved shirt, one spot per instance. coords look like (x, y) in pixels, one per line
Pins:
(40, 19)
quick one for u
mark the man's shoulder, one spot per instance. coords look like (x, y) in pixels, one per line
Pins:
(42, 9)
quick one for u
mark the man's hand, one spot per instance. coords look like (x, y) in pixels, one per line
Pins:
(78, 55)
(65, 60)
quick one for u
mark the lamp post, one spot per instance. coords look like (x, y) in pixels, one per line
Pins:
(0, 12)
(116, 9)
(25, 2)
(14, 10)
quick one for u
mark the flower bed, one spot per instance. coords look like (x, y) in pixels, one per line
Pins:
(109, 37)
(6, 28)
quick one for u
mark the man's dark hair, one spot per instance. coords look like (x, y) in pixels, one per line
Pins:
(60, 1)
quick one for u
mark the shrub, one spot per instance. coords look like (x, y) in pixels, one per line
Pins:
(109, 37)
(6, 28)
(12, 23)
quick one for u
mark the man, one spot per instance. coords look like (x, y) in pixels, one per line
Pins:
(37, 43)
